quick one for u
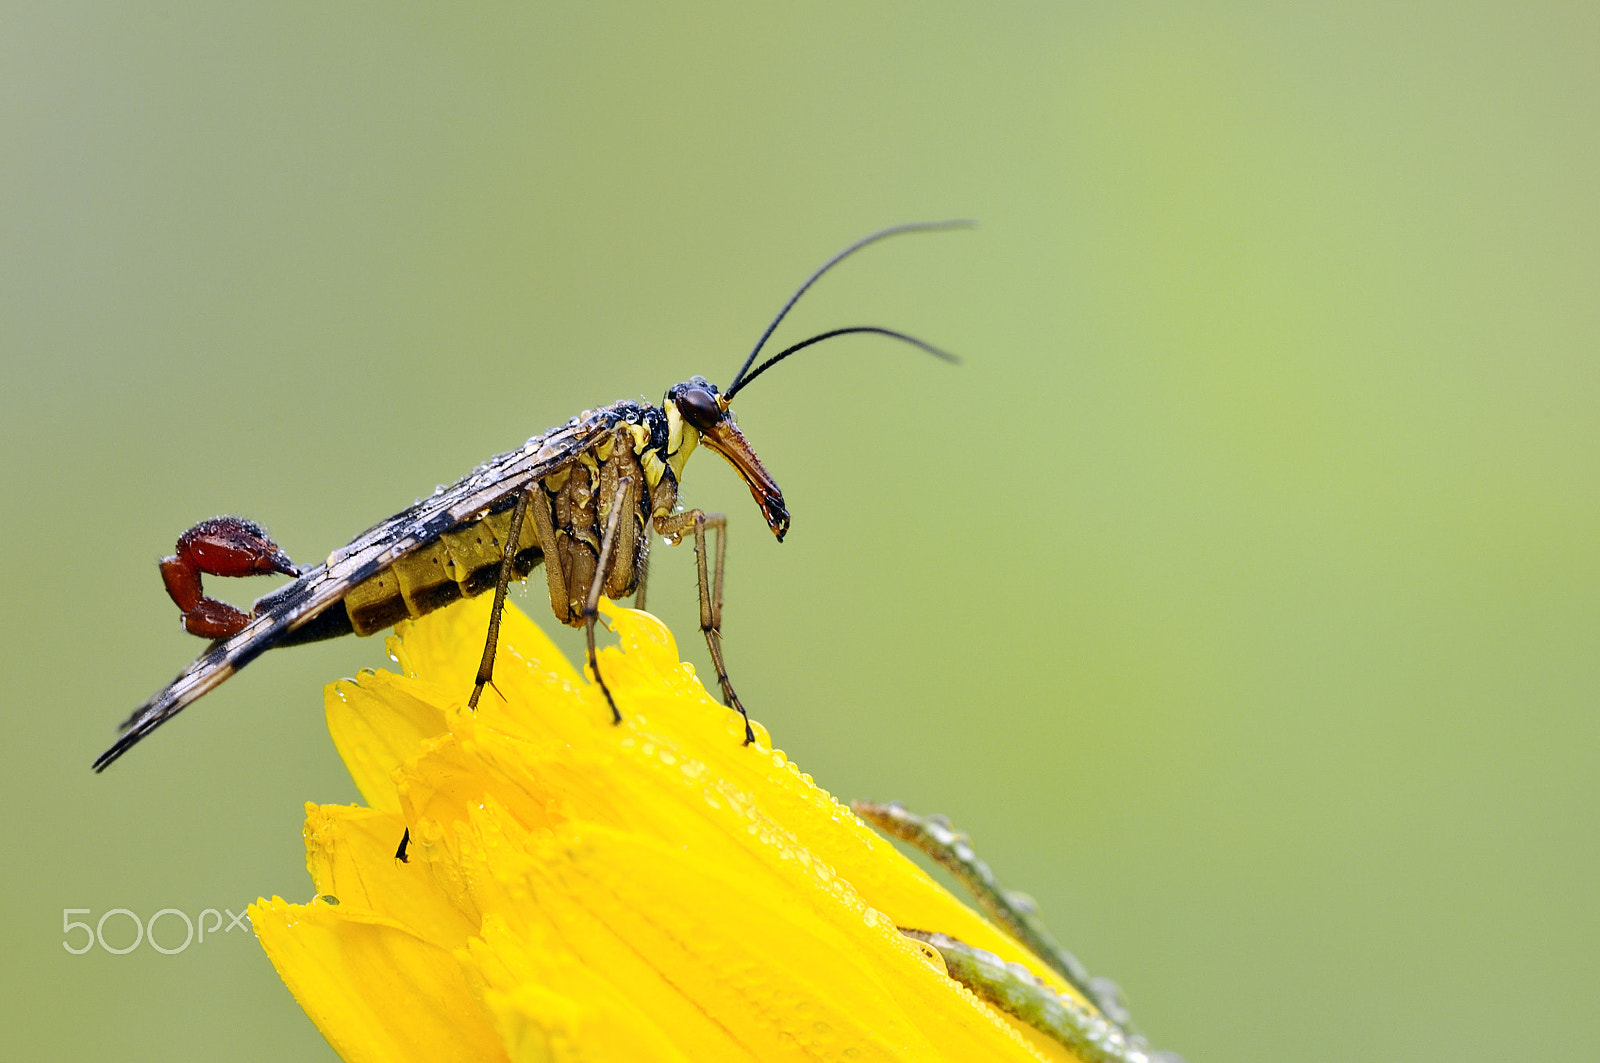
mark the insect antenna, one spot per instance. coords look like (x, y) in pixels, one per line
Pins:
(787, 351)
(740, 380)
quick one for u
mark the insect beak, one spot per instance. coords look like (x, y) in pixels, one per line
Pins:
(725, 438)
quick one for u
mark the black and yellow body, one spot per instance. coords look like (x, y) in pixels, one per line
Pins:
(635, 464)
(613, 471)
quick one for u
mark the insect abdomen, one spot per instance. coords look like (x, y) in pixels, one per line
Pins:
(462, 562)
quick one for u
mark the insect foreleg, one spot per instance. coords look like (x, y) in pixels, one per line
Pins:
(591, 605)
(711, 608)
(720, 523)
(507, 570)
(710, 594)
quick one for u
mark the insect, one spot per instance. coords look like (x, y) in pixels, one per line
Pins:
(583, 499)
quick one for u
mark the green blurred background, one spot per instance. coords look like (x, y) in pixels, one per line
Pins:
(1239, 593)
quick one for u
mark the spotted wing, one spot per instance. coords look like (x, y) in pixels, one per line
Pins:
(380, 546)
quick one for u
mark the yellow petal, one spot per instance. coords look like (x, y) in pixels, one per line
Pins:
(350, 854)
(581, 890)
(781, 973)
(376, 991)
(376, 723)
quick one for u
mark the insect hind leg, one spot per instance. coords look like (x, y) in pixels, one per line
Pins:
(221, 546)
(507, 570)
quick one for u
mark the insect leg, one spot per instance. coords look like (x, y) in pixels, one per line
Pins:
(722, 552)
(222, 546)
(675, 527)
(711, 607)
(507, 569)
(591, 606)
(644, 571)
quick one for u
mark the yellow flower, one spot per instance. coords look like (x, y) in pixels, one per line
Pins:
(575, 890)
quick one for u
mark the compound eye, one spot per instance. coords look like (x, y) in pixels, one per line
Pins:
(699, 407)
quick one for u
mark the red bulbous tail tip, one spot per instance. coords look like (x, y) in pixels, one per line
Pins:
(222, 546)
